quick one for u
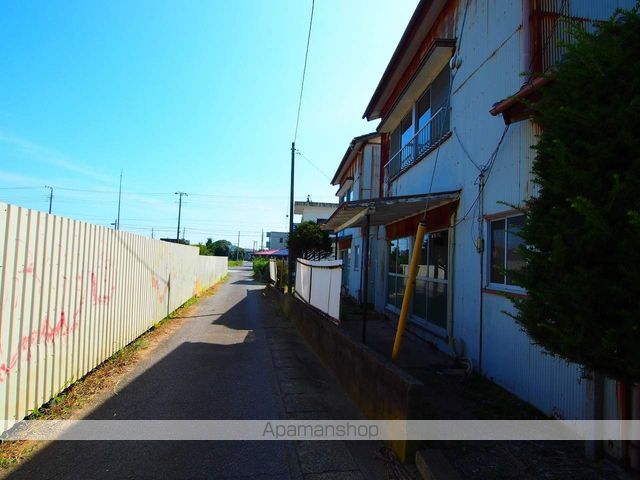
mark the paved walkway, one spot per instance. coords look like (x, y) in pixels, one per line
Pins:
(234, 358)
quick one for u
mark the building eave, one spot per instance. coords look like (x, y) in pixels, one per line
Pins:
(352, 149)
(419, 25)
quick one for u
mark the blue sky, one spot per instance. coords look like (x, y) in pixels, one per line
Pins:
(195, 96)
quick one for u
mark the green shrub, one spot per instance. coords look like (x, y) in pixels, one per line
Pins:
(261, 269)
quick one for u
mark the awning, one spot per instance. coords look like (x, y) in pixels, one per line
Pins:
(344, 242)
(515, 108)
(386, 210)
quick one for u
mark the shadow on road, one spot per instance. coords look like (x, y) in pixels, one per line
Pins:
(221, 372)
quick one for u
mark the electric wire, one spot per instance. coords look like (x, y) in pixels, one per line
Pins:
(304, 71)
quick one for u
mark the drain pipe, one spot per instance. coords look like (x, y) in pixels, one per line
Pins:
(480, 249)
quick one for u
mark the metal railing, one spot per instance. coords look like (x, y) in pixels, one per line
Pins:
(551, 26)
(423, 142)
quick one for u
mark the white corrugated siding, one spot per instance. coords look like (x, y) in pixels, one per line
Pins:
(74, 293)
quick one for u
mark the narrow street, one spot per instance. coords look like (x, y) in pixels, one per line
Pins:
(233, 358)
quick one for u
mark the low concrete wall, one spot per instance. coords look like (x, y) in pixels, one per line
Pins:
(381, 390)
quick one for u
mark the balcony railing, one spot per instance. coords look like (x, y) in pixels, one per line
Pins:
(423, 142)
(551, 25)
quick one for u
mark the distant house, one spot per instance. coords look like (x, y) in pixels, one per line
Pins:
(277, 240)
(317, 212)
(453, 152)
(358, 178)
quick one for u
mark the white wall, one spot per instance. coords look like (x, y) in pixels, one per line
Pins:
(491, 53)
(74, 293)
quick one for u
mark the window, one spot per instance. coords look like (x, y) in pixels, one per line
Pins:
(356, 258)
(504, 243)
(398, 269)
(424, 125)
(430, 302)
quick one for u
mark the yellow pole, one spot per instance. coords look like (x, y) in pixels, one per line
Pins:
(408, 291)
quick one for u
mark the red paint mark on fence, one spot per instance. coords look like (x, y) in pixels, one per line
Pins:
(27, 269)
(155, 283)
(47, 334)
(100, 299)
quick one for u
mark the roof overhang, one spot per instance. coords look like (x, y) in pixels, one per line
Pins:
(439, 54)
(386, 210)
(515, 108)
(299, 206)
(352, 150)
(421, 22)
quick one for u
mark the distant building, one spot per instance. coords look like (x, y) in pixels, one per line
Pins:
(358, 178)
(277, 240)
(317, 212)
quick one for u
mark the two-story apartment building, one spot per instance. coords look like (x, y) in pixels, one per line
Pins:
(450, 147)
(358, 178)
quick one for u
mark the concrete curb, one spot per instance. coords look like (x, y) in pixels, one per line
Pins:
(379, 388)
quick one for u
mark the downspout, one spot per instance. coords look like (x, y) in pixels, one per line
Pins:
(480, 248)
(525, 66)
(365, 275)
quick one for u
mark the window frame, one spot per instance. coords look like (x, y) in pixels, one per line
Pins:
(412, 115)
(423, 324)
(488, 282)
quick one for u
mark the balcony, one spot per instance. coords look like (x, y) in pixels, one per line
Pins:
(428, 138)
(551, 25)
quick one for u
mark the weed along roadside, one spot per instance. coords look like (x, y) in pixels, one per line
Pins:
(103, 380)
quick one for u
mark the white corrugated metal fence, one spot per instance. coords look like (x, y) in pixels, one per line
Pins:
(74, 293)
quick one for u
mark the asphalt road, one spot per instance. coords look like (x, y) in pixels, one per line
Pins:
(233, 358)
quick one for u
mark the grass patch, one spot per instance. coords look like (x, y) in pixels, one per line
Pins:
(101, 379)
(236, 263)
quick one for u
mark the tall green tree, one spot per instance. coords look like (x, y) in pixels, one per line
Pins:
(582, 232)
(309, 241)
(221, 248)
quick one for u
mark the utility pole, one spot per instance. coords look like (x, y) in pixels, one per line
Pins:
(292, 260)
(261, 238)
(238, 249)
(119, 199)
(184, 232)
(152, 232)
(50, 196)
(179, 212)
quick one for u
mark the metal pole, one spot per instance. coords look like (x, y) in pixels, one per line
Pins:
(238, 249)
(365, 268)
(408, 291)
(291, 259)
(261, 238)
(179, 212)
(50, 197)
(119, 199)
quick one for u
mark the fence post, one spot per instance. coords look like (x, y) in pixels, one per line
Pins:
(310, 283)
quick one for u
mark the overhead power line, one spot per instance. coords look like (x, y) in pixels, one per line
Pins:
(313, 164)
(304, 71)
